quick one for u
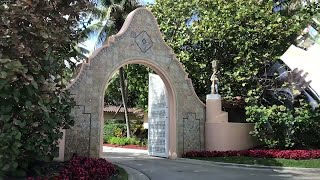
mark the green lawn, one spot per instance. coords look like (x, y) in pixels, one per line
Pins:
(311, 163)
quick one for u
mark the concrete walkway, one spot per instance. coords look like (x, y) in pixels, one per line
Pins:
(184, 169)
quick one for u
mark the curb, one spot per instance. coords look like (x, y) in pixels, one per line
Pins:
(247, 166)
(126, 150)
(133, 174)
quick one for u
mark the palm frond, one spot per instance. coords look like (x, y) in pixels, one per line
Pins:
(132, 4)
(92, 30)
(82, 52)
(107, 3)
(100, 13)
(105, 32)
(111, 17)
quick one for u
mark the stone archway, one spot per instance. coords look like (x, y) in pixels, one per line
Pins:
(138, 42)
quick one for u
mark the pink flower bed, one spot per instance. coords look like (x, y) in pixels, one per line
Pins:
(260, 153)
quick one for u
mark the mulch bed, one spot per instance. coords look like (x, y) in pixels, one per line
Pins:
(126, 146)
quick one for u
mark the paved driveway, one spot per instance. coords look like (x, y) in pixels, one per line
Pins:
(165, 169)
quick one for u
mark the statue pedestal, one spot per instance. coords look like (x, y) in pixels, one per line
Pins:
(220, 135)
(214, 113)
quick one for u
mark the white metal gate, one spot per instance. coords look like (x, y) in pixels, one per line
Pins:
(157, 117)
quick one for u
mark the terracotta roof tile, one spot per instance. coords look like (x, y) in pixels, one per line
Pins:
(115, 109)
(137, 111)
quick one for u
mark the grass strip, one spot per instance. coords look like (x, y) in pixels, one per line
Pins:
(310, 163)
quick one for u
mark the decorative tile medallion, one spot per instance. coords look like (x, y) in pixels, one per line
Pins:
(144, 41)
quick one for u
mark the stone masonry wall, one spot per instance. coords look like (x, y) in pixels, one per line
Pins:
(139, 41)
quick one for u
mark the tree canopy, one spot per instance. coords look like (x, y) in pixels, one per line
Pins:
(245, 37)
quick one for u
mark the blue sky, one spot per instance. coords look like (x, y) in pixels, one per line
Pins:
(147, 1)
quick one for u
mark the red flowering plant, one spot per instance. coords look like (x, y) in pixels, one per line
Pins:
(88, 168)
(84, 168)
(260, 153)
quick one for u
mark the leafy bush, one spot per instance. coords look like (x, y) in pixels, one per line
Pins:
(260, 153)
(123, 141)
(119, 132)
(114, 129)
(35, 43)
(118, 141)
(88, 168)
(143, 143)
(279, 127)
(84, 168)
(138, 131)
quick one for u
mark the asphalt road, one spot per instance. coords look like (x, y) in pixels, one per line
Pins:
(165, 169)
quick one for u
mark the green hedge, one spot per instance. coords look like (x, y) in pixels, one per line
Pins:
(114, 128)
(124, 141)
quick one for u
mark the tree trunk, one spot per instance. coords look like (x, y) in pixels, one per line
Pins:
(124, 102)
(117, 111)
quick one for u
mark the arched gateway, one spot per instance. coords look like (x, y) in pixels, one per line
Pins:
(138, 42)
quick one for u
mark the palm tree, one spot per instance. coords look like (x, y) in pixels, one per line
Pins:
(111, 15)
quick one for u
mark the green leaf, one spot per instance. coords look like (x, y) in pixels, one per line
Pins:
(15, 165)
(17, 144)
(4, 60)
(3, 75)
(28, 104)
(20, 173)
(5, 167)
(18, 136)
(44, 35)
(34, 83)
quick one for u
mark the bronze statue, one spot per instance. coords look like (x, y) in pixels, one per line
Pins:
(214, 79)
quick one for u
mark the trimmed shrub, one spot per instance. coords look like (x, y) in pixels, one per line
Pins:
(123, 141)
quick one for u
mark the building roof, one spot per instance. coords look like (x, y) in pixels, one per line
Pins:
(109, 108)
(113, 109)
